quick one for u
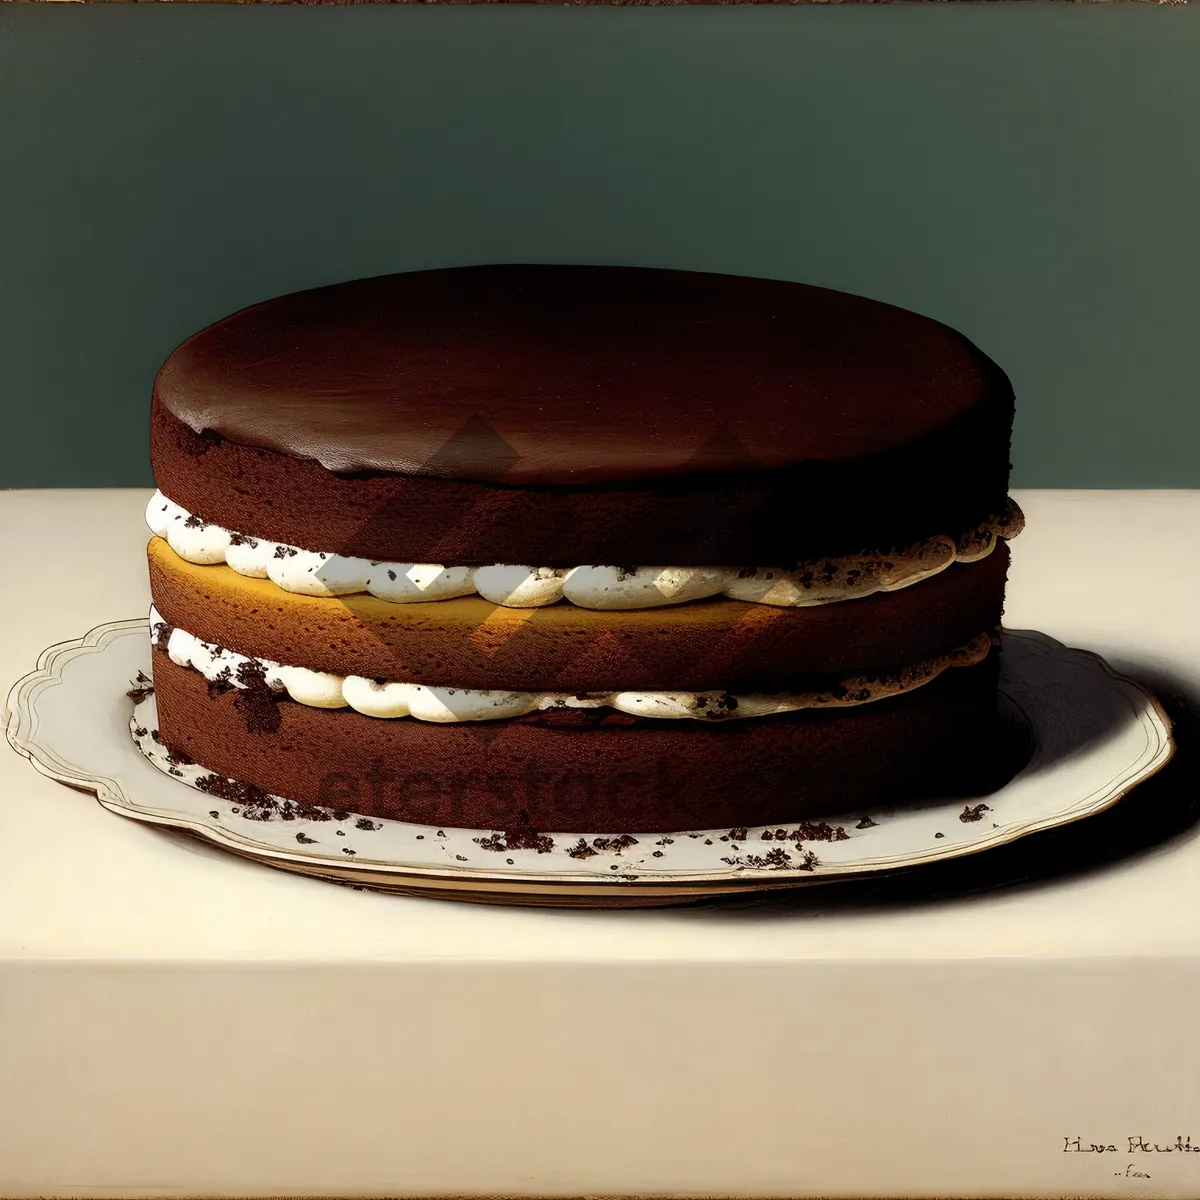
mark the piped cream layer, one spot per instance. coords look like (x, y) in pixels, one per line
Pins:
(379, 698)
(823, 581)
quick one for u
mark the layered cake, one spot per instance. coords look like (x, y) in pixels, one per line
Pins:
(580, 549)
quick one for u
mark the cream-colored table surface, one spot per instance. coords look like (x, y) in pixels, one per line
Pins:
(178, 1021)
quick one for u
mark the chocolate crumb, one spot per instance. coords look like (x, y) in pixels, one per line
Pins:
(256, 700)
(221, 682)
(140, 688)
(866, 823)
(347, 850)
(776, 859)
(461, 857)
(819, 831)
(340, 832)
(392, 575)
(245, 794)
(194, 522)
(580, 850)
(285, 552)
(240, 539)
(937, 835)
(973, 812)
(257, 805)
(516, 839)
(212, 812)
(367, 825)
(305, 840)
(656, 853)
(614, 845)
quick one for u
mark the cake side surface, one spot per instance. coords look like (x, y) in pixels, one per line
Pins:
(470, 643)
(951, 482)
(534, 773)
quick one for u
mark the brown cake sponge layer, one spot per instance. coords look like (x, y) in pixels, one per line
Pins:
(571, 772)
(946, 483)
(471, 643)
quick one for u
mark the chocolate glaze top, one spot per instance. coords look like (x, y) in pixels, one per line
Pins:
(531, 375)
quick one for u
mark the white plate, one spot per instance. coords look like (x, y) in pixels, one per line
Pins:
(1096, 734)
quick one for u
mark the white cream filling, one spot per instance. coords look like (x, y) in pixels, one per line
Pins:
(448, 705)
(312, 573)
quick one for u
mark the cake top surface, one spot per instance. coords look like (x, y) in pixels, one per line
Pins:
(573, 375)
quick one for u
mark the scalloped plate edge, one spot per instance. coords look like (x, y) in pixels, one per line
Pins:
(21, 726)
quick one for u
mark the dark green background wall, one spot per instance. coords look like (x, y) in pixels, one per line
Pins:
(1029, 174)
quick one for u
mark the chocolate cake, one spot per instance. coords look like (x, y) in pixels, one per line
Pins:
(581, 549)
